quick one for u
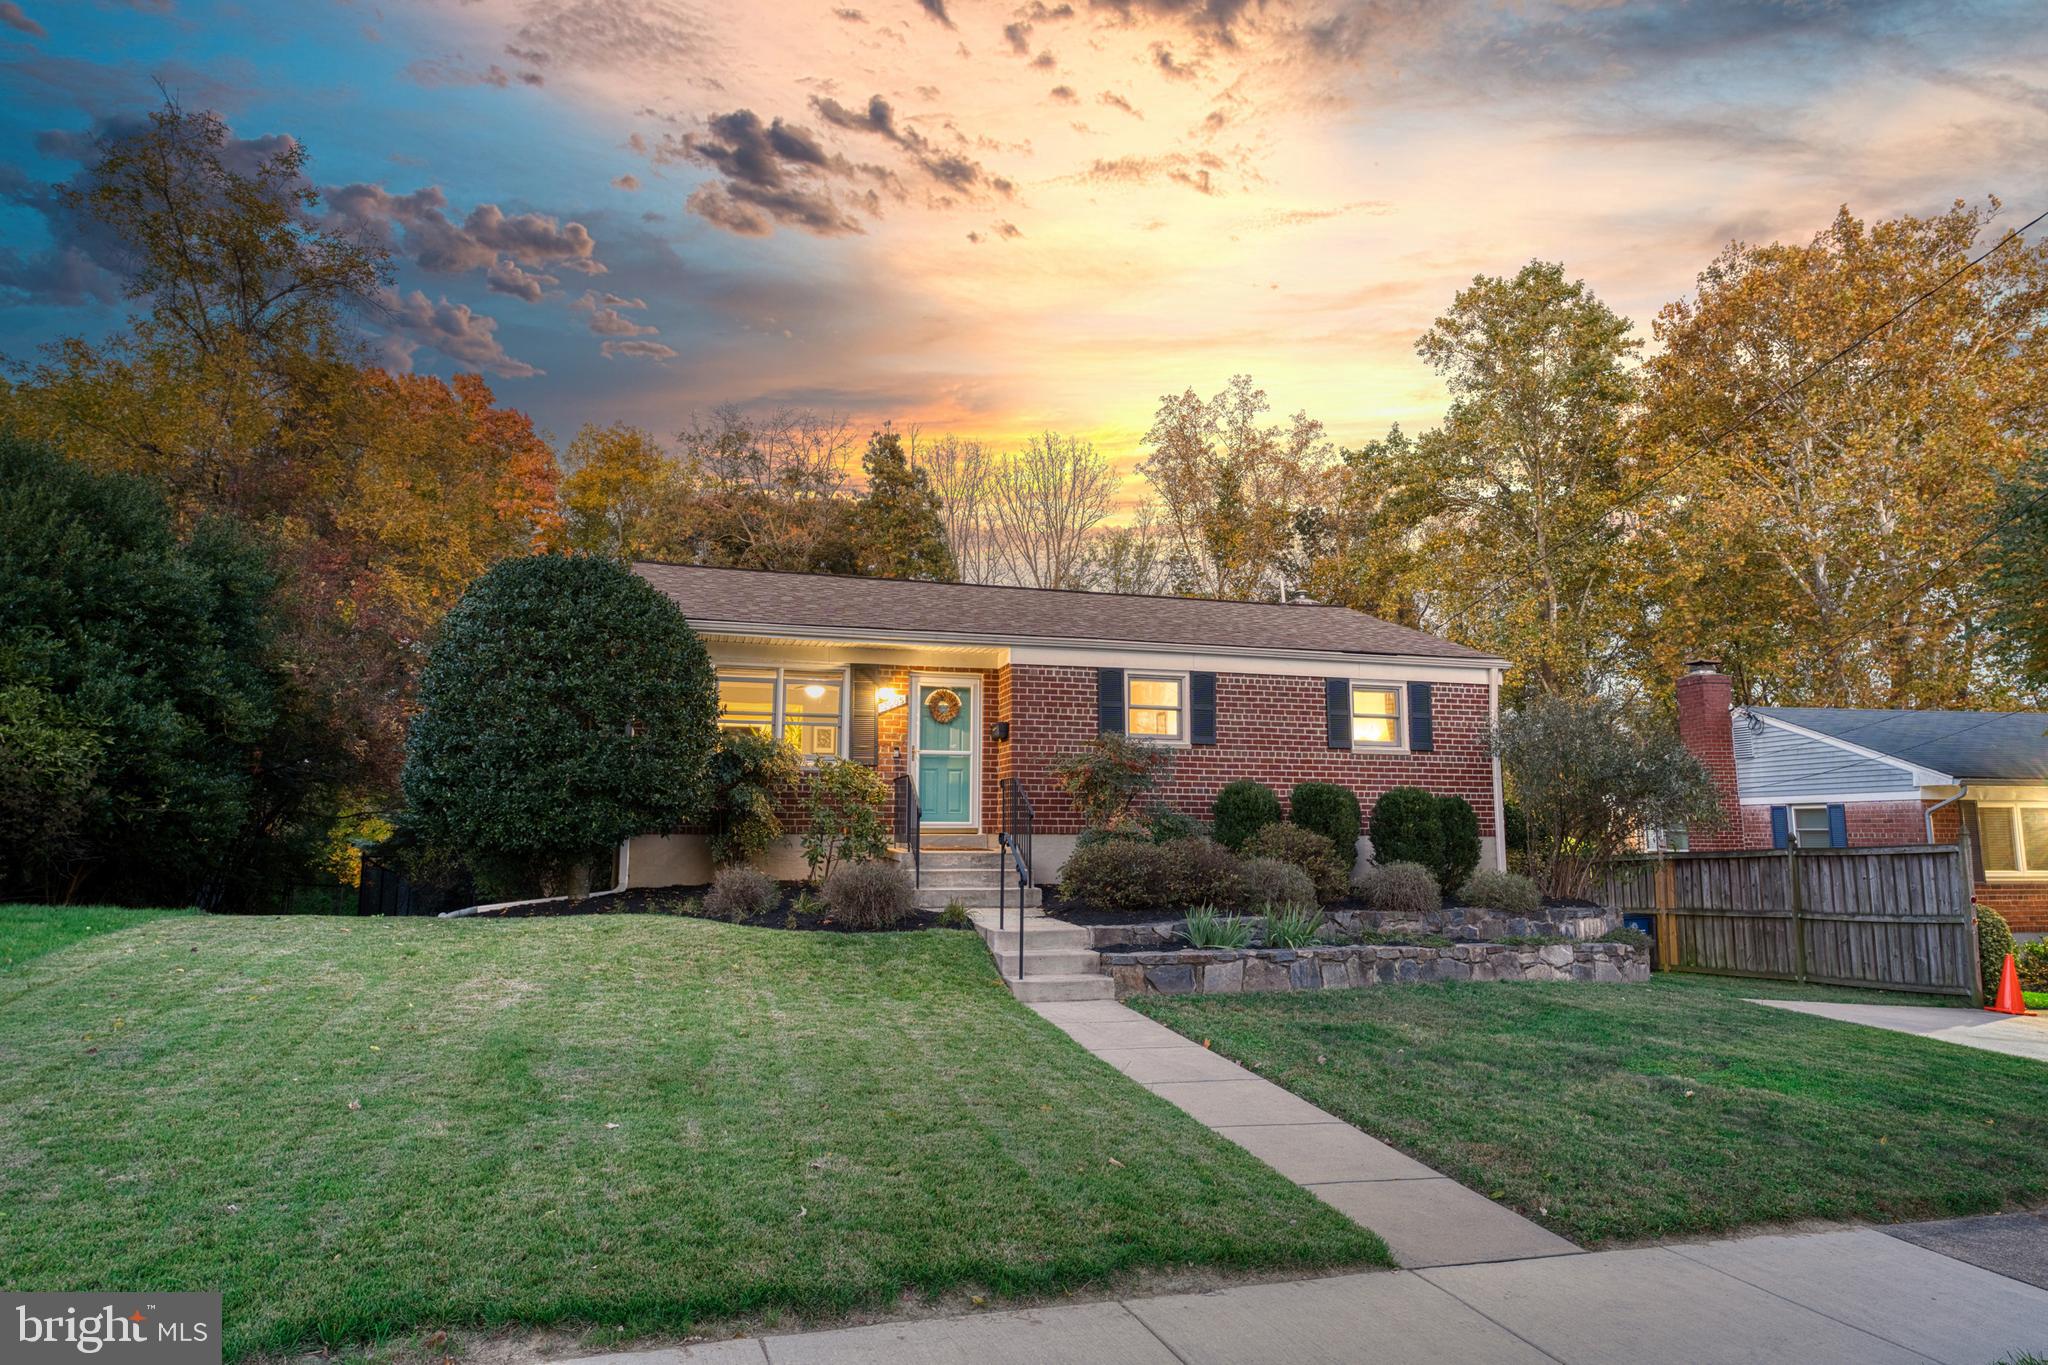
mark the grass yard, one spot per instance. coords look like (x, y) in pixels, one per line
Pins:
(29, 931)
(1623, 1112)
(359, 1128)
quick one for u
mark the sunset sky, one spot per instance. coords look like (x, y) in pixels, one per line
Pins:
(990, 218)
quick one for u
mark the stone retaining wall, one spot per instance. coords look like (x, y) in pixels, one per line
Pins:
(1230, 971)
(1463, 923)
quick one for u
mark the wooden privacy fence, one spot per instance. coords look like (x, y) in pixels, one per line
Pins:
(1898, 918)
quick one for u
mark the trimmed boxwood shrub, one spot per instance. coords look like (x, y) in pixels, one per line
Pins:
(741, 893)
(1994, 941)
(1505, 891)
(1460, 826)
(1117, 874)
(1242, 810)
(1269, 881)
(1410, 825)
(1329, 810)
(1400, 889)
(870, 895)
(1200, 871)
(2033, 965)
(1313, 853)
(1166, 825)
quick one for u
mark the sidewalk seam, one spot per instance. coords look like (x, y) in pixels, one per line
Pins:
(1164, 1344)
(1475, 1308)
(1766, 1289)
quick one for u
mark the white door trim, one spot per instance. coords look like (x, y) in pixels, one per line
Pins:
(957, 681)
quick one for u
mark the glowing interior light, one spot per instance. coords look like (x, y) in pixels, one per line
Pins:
(813, 691)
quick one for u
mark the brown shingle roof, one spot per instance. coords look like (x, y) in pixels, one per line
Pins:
(821, 601)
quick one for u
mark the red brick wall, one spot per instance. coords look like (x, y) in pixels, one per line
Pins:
(1269, 728)
(1871, 824)
(2024, 904)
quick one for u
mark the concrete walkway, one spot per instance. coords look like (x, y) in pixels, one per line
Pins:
(2016, 1035)
(1854, 1297)
(1427, 1219)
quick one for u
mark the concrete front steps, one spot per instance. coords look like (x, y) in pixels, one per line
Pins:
(967, 868)
(1058, 963)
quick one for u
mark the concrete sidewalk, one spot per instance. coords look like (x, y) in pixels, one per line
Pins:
(2016, 1035)
(1854, 1297)
(1426, 1218)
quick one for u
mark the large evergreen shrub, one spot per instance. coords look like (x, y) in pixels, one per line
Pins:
(1331, 811)
(1407, 827)
(1243, 809)
(566, 706)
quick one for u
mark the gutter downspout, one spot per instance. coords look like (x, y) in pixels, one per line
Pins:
(1962, 790)
(1500, 809)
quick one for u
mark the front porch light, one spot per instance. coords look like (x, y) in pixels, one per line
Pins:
(887, 698)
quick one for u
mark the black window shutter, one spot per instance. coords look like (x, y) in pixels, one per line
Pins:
(1201, 708)
(861, 746)
(1337, 711)
(1109, 701)
(1421, 718)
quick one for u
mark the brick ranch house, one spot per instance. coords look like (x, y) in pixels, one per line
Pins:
(966, 687)
(1832, 777)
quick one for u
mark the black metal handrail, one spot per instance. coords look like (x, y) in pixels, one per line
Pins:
(910, 824)
(1018, 821)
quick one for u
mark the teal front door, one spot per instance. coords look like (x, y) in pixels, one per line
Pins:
(945, 753)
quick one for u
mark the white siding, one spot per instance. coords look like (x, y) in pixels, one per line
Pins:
(1770, 761)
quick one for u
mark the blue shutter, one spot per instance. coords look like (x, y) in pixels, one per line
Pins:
(1838, 827)
(1109, 701)
(1780, 826)
(1201, 708)
(1337, 711)
(1421, 719)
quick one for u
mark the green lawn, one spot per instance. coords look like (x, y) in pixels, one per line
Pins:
(357, 1128)
(1621, 1112)
(29, 931)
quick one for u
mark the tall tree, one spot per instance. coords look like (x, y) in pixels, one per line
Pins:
(763, 491)
(1826, 543)
(1368, 540)
(1132, 558)
(621, 493)
(1234, 494)
(1045, 502)
(894, 531)
(961, 471)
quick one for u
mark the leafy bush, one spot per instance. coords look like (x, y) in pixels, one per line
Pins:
(1406, 827)
(566, 706)
(845, 809)
(1117, 874)
(1268, 881)
(741, 893)
(2033, 964)
(1293, 926)
(1242, 810)
(1400, 889)
(1460, 852)
(1327, 871)
(1588, 775)
(1331, 811)
(1128, 830)
(1106, 777)
(1200, 871)
(1994, 941)
(1625, 934)
(1504, 891)
(872, 894)
(1207, 929)
(746, 773)
(1166, 825)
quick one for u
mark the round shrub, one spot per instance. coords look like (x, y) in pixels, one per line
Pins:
(1127, 830)
(2033, 965)
(1242, 810)
(1504, 891)
(565, 707)
(741, 893)
(1166, 825)
(870, 895)
(1268, 881)
(1459, 825)
(1200, 871)
(1117, 874)
(1400, 889)
(1328, 871)
(1994, 941)
(1406, 828)
(1329, 810)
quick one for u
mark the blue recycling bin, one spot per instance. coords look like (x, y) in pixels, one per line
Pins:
(1645, 923)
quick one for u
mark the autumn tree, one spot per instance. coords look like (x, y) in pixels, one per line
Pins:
(1233, 491)
(1045, 501)
(763, 491)
(1821, 516)
(2015, 578)
(1368, 538)
(1133, 558)
(620, 495)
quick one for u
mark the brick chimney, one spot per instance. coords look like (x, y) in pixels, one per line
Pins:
(1704, 726)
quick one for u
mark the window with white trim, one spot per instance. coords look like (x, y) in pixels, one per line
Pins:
(2014, 839)
(1810, 826)
(807, 707)
(1375, 716)
(1156, 707)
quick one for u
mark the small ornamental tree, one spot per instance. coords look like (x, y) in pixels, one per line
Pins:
(1589, 774)
(565, 707)
(1108, 776)
(846, 816)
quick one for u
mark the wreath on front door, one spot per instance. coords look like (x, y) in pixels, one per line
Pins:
(944, 705)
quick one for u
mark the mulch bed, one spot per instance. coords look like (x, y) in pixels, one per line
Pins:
(688, 901)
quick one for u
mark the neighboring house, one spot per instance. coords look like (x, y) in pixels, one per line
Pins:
(967, 687)
(1829, 777)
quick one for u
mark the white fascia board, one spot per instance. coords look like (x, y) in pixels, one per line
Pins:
(1917, 776)
(1902, 795)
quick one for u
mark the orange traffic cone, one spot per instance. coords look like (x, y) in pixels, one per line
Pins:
(2009, 1000)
